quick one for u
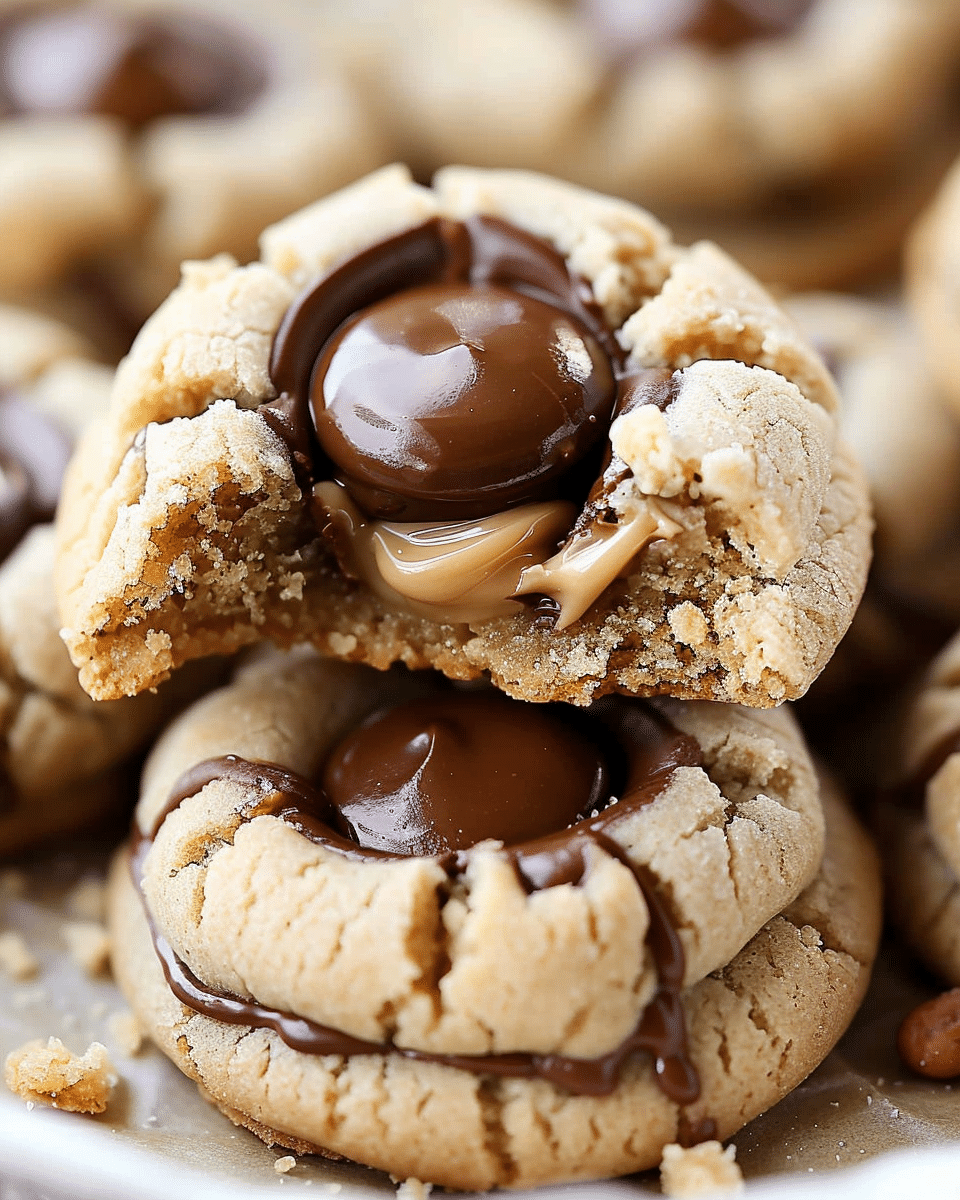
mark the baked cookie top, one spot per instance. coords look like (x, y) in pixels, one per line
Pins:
(671, 512)
(894, 416)
(509, 976)
(175, 135)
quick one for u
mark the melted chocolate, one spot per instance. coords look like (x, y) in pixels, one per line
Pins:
(456, 400)
(445, 772)
(33, 457)
(434, 415)
(653, 750)
(90, 60)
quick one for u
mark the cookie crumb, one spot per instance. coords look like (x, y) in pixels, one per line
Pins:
(126, 1031)
(412, 1189)
(49, 1072)
(285, 1164)
(88, 899)
(89, 945)
(700, 1171)
(15, 957)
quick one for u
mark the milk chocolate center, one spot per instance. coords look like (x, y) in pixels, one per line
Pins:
(630, 27)
(448, 373)
(85, 59)
(441, 774)
(459, 400)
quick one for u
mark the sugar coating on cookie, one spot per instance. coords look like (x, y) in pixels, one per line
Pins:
(756, 1024)
(740, 520)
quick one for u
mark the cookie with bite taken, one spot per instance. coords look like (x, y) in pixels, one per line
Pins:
(499, 426)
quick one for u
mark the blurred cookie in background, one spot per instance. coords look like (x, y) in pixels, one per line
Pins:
(138, 135)
(803, 135)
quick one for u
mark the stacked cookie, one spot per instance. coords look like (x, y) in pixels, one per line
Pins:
(578, 891)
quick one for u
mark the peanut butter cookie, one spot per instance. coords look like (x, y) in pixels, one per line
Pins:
(499, 426)
(447, 934)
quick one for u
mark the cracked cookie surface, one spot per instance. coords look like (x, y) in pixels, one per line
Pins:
(188, 530)
(777, 943)
(918, 821)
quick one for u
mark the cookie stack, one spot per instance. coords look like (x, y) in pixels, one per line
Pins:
(557, 884)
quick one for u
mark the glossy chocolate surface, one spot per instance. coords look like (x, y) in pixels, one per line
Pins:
(652, 749)
(459, 398)
(443, 773)
(87, 59)
(33, 457)
(473, 372)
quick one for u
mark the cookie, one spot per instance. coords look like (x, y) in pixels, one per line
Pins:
(708, 541)
(63, 758)
(176, 135)
(905, 435)
(374, 899)
(919, 818)
(769, 127)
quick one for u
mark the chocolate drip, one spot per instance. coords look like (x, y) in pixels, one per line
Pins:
(654, 749)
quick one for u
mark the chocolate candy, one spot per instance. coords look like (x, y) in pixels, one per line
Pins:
(447, 373)
(89, 60)
(444, 773)
(458, 400)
